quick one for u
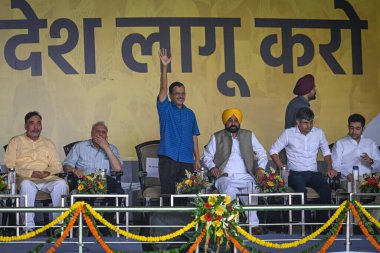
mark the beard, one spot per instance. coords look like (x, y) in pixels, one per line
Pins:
(313, 97)
(232, 128)
(355, 136)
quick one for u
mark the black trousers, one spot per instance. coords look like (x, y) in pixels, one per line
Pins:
(170, 172)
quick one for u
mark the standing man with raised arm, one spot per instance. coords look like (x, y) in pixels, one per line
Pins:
(178, 132)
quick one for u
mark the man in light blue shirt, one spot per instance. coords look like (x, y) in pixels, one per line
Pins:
(302, 144)
(88, 156)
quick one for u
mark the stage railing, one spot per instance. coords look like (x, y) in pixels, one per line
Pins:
(81, 242)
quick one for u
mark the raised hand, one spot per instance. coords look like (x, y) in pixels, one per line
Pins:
(165, 59)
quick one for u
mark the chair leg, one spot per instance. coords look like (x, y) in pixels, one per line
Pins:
(46, 203)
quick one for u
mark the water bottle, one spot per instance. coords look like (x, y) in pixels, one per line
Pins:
(204, 174)
(284, 173)
(102, 173)
(12, 181)
(201, 173)
(355, 183)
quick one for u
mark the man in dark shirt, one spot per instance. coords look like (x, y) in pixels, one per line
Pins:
(305, 91)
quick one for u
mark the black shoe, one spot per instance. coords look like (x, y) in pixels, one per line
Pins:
(105, 232)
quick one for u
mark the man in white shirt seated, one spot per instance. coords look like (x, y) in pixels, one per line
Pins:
(229, 156)
(356, 150)
(302, 143)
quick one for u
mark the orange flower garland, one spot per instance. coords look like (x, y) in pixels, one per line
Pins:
(331, 240)
(66, 231)
(96, 234)
(238, 245)
(197, 242)
(364, 229)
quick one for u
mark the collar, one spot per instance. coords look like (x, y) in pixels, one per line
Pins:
(354, 141)
(230, 134)
(91, 144)
(297, 130)
(304, 99)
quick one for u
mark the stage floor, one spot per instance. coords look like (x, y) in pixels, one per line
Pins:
(359, 244)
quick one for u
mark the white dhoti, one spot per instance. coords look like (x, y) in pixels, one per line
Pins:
(241, 183)
(56, 188)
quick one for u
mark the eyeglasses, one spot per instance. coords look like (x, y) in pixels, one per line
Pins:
(179, 94)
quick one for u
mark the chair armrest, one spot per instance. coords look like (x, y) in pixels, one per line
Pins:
(117, 175)
(142, 175)
(63, 175)
(334, 182)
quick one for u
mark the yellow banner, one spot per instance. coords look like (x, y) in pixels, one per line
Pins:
(78, 62)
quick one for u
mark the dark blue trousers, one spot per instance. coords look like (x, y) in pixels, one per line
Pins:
(170, 173)
(300, 180)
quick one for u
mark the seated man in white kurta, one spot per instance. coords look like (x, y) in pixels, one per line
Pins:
(229, 156)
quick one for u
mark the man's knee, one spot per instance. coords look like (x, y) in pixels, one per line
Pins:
(27, 185)
(298, 187)
(116, 190)
(61, 184)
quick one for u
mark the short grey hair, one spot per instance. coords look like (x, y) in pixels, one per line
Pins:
(99, 123)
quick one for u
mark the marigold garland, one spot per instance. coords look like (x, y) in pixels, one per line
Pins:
(96, 234)
(331, 240)
(141, 238)
(66, 231)
(79, 207)
(363, 228)
(238, 245)
(295, 243)
(42, 229)
(367, 214)
(197, 242)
